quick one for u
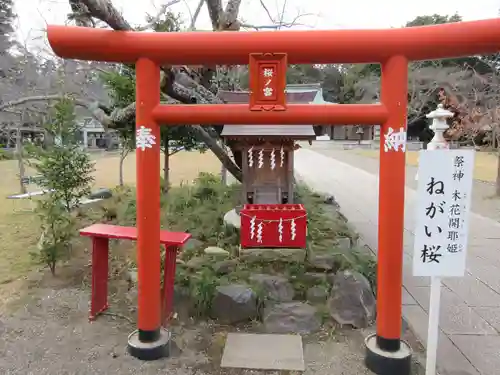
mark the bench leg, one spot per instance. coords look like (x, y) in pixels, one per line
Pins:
(99, 296)
(168, 283)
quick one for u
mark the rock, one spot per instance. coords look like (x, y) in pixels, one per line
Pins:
(331, 200)
(234, 303)
(276, 288)
(291, 317)
(216, 252)
(183, 303)
(132, 275)
(344, 243)
(226, 266)
(351, 300)
(312, 278)
(131, 298)
(192, 244)
(343, 217)
(101, 194)
(317, 294)
(324, 262)
(195, 263)
(232, 219)
(273, 254)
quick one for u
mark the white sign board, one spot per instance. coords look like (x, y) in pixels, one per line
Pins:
(443, 206)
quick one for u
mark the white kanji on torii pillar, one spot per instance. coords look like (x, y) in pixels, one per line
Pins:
(395, 140)
(144, 138)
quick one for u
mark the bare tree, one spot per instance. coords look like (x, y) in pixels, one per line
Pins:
(473, 98)
(180, 84)
(475, 102)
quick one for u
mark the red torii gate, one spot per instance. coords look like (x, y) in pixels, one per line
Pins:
(393, 48)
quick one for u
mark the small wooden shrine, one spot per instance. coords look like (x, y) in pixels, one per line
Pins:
(267, 153)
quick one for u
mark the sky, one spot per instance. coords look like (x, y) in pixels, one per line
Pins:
(322, 14)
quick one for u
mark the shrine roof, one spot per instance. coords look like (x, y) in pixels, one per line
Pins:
(288, 131)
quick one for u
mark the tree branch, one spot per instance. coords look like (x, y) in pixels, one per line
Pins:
(192, 26)
(161, 12)
(179, 83)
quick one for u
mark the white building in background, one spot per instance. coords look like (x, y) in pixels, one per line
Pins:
(93, 135)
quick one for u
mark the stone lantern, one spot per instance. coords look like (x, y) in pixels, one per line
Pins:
(438, 126)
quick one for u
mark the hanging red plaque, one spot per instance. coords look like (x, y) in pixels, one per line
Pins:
(267, 81)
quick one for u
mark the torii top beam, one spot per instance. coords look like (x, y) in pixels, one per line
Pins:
(302, 47)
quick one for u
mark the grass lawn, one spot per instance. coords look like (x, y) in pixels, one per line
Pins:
(19, 231)
(485, 163)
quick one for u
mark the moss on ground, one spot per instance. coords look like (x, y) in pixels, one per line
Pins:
(199, 209)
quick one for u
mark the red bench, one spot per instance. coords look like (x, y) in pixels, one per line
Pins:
(101, 234)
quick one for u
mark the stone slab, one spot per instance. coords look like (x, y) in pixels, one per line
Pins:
(271, 254)
(473, 291)
(407, 299)
(482, 351)
(449, 357)
(263, 352)
(455, 317)
(491, 315)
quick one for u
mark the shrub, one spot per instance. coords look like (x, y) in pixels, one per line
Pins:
(57, 226)
(66, 172)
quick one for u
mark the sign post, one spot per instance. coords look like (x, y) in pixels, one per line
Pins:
(443, 206)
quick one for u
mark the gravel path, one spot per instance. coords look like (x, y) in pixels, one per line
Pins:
(48, 334)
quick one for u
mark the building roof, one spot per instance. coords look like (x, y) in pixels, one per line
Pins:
(288, 131)
(241, 97)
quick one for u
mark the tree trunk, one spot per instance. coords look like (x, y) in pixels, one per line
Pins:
(123, 154)
(19, 157)
(498, 174)
(211, 143)
(166, 166)
(223, 170)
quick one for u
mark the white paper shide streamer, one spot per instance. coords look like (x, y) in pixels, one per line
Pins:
(293, 230)
(252, 227)
(272, 160)
(282, 157)
(261, 158)
(250, 157)
(259, 232)
(280, 230)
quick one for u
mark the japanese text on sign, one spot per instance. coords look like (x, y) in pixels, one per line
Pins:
(268, 81)
(443, 205)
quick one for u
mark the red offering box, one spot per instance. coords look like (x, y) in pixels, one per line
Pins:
(273, 225)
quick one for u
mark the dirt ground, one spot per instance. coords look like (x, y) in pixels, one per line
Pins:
(46, 332)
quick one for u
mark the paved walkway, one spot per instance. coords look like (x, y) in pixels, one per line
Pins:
(470, 313)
